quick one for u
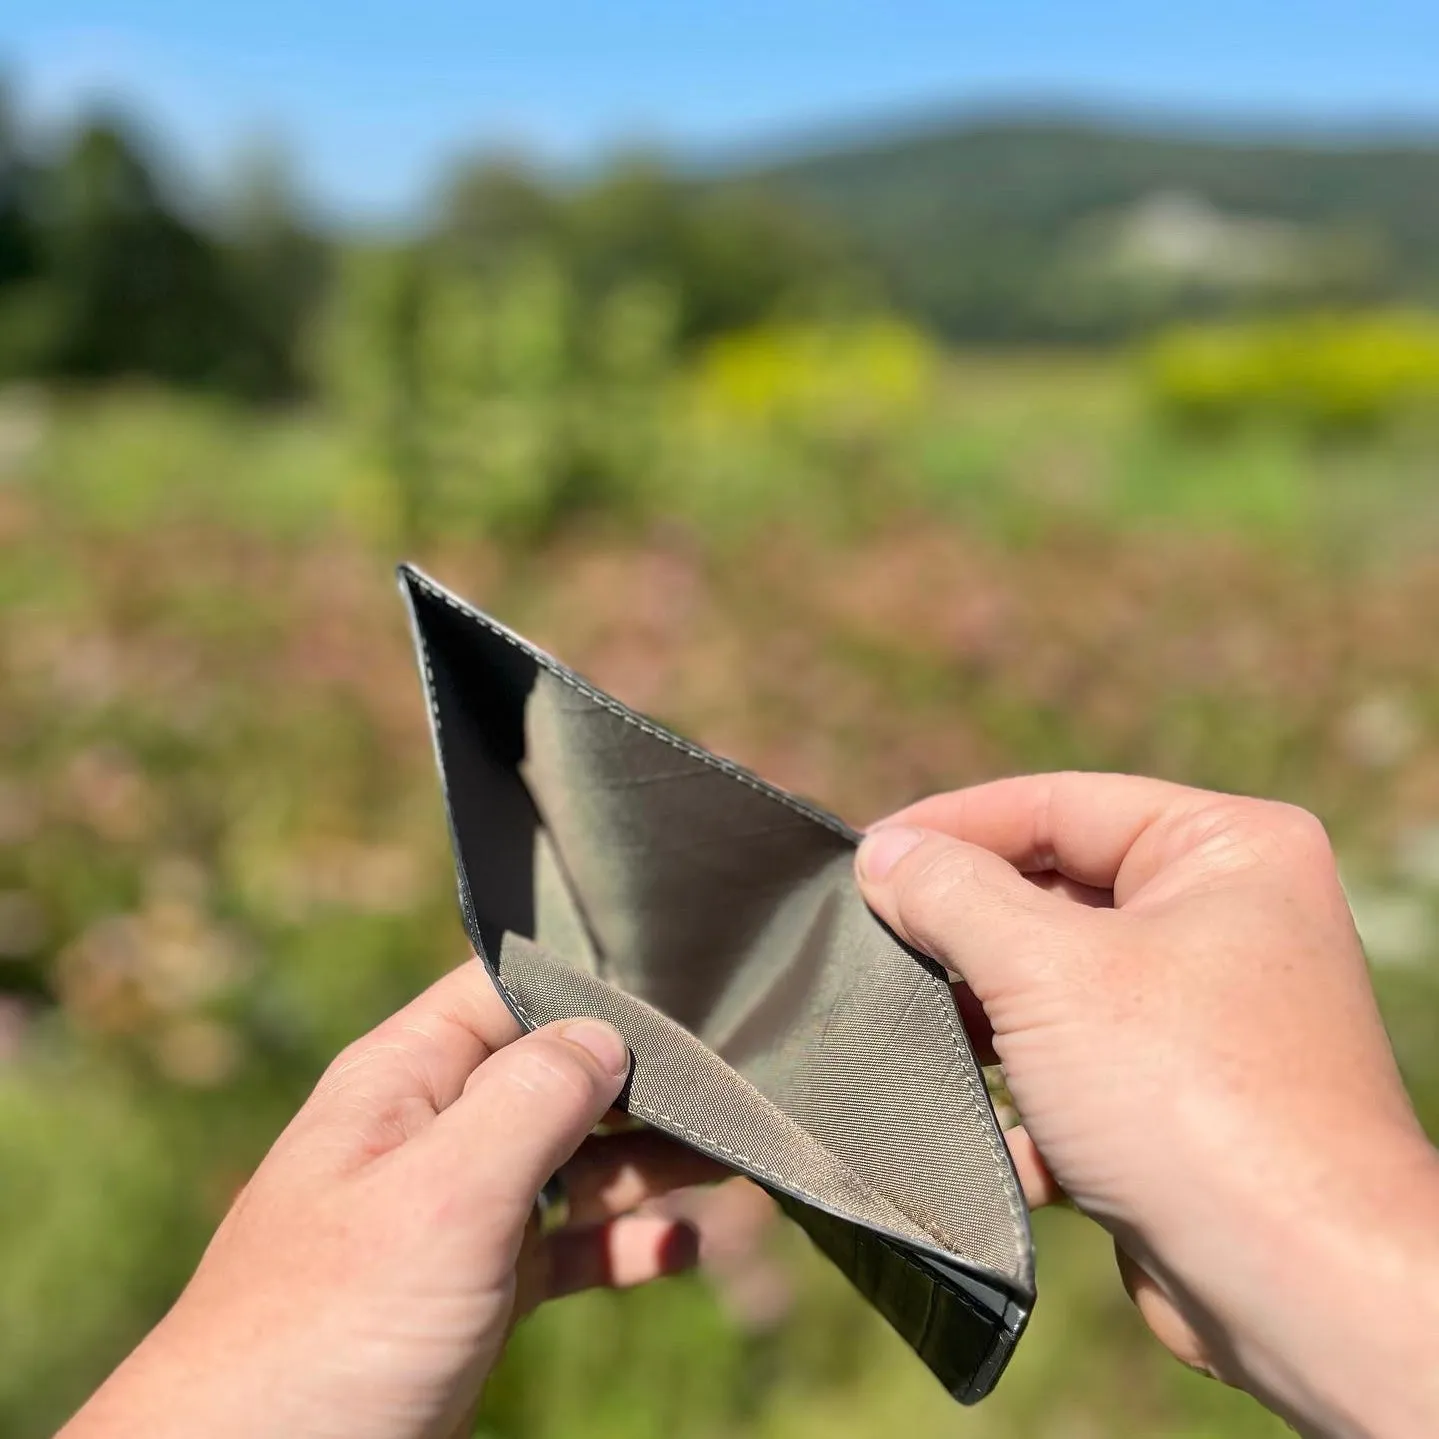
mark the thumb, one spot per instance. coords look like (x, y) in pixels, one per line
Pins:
(523, 1113)
(960, 904)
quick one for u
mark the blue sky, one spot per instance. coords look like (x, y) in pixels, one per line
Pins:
(371, 98)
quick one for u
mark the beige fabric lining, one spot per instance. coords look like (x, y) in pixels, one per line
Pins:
(615, 870)
(738, 924)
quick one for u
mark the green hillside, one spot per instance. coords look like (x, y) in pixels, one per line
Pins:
(984, 232)
(1034, 229)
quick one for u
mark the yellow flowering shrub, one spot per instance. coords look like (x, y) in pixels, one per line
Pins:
(1327, 371)
(867, 370)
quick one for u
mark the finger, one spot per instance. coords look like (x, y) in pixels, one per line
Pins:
(617, 1255)
(428, 1050)
(609, 1177)
(1053, 882)
(1085, 826)
(967, 908)
(1162, 1315)
(971, 1011)
(976, 1023)
(523, 1113)
(1039, 1185)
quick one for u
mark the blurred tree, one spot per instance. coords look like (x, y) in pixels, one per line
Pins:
(22, 311)
(102, 275)
(630, 221)
(137, 289)
(495, 211)
(17, 240)
(752, 255)
(279, 267)
(369, 364)
(732, 256)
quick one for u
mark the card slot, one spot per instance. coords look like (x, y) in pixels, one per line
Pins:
(684, 1088)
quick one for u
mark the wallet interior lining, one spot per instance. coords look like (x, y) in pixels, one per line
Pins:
(682, 1086)
(611, 869)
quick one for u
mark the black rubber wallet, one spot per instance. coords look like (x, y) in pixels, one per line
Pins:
(609, 868)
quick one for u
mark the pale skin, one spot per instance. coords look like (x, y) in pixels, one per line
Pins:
(365, 1281)
(1173, 984)
(1180, 1001)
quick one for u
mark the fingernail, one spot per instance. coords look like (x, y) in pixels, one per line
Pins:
(883, 848)
(601, 1040)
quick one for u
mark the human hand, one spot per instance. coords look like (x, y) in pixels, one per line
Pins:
(365, 1281)
(1174, 986)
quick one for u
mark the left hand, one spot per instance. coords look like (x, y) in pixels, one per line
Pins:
(365, 1281)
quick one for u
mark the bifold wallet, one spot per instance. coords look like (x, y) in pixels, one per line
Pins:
(610, 868)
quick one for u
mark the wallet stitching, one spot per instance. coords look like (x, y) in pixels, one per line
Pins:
(646, 1111)
(982, 1109)
(607, 702)
(518, 1005)
(1002, 1161)
(651, 1113)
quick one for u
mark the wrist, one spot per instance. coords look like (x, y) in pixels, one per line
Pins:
(229, 1374)
(1326, 1292)
(160, 1391)
(185, 1378)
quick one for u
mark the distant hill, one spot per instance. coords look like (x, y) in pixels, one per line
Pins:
(1030, 229)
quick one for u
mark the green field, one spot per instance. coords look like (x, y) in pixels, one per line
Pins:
(866, 569)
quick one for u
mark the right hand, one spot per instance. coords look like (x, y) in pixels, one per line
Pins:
(1173, 984)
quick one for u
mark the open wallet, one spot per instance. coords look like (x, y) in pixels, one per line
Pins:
(609, 868)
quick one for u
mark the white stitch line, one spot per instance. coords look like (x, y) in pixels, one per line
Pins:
(779, 797)
(608, 702)
(1002, 1161)
(647, 1111)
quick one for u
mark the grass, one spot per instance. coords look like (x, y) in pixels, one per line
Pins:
(221, 851)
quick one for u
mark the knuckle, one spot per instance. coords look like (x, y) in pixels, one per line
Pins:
(1299, 830)
(947, 872)
(1290, 835)
(355, 1056)
(550, 1070)
(1269, 832)
(927, 898)
(1236, 814)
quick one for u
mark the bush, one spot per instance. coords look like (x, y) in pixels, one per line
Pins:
(1329, 372)
(862, 371)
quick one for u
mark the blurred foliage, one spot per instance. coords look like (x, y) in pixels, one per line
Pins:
(870, 372)
(991, 231)
(673, 430)
(495, 398)
(104, 274)
(221, 851)
(997, 230)
(1328, 372)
